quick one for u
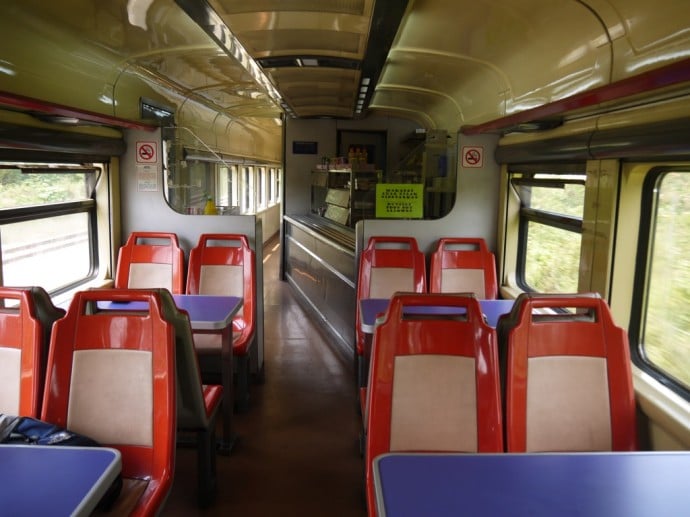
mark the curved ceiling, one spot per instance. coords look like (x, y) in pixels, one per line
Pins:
(483, 64)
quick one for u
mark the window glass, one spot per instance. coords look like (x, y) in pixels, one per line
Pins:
(46, 235)
(551, 210)
(33, 185)
(261, 187)
(552, 259)
(223, 187)
(666, 336)
(51, 254)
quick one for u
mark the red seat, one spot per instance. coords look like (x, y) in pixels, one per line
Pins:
(386, 265)
(433, 384)
(568, 376)
(111, 376)
(26, 319)
(150, 260)
(463, 265)
(224, 264)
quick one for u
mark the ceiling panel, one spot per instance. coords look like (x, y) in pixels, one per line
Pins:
(284, 35)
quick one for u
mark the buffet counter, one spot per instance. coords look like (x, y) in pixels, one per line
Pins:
(319, 262)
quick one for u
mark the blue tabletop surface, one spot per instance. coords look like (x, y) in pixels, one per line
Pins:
(54, 480)
(533, 485)
(372, 307)
(206, 312)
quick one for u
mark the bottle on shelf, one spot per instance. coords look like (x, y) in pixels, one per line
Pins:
(210, 207)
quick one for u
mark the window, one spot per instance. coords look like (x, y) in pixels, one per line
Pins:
(223, 187)
(248, 190)
(665, 338)
(235, 187)
(261, 187)
(272, 186)
(550, 237)
(47, 216)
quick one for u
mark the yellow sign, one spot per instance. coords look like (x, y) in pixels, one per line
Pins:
(399, 200)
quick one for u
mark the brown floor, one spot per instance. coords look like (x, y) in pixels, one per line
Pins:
(297, 451)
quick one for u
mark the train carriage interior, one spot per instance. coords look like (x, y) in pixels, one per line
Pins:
(554, 133)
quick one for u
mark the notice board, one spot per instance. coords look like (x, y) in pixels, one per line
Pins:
(399, 200)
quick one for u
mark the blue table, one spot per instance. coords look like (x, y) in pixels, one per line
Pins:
(55, 480)
(370, 308)
(213, 315)
(531, 485)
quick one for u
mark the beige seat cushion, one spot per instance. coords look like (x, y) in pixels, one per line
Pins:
(463, 281)
(434, 406)
(384, 281)
(568, 404)
(10, 376)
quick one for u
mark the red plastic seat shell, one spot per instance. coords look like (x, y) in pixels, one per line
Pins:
(243, 324)
(397, 336)
(373, 256)
(527, 338)
(79, 330)
(481, 258)
(133, 252)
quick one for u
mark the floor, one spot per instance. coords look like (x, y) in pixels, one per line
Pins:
(297, 449)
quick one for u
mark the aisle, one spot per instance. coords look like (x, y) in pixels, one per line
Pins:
(297, 448)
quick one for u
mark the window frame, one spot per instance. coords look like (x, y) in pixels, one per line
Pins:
(640, 295)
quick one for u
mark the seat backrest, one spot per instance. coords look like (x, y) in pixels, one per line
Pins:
(463, 265)
(387, 265)
(224, 264)
(111, 376)
(150, 260)
(568, 378)
(21, 348)
(192, 410)
(433, 382)
(26, 319)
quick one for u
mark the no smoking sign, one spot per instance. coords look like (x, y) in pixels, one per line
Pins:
(147, 152)
(472, 156)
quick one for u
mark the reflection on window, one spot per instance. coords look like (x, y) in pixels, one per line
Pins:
(666, 337)
(234, 189)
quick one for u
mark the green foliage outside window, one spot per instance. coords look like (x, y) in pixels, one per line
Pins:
(666, 339)
(20, 189)
(553, 254)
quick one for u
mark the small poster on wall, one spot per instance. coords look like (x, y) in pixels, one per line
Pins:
(147, 178)
(399, 200)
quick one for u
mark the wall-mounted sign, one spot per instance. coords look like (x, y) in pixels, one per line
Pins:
(147, 152)
(399, 200)
(147, 178)
(302, 147)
